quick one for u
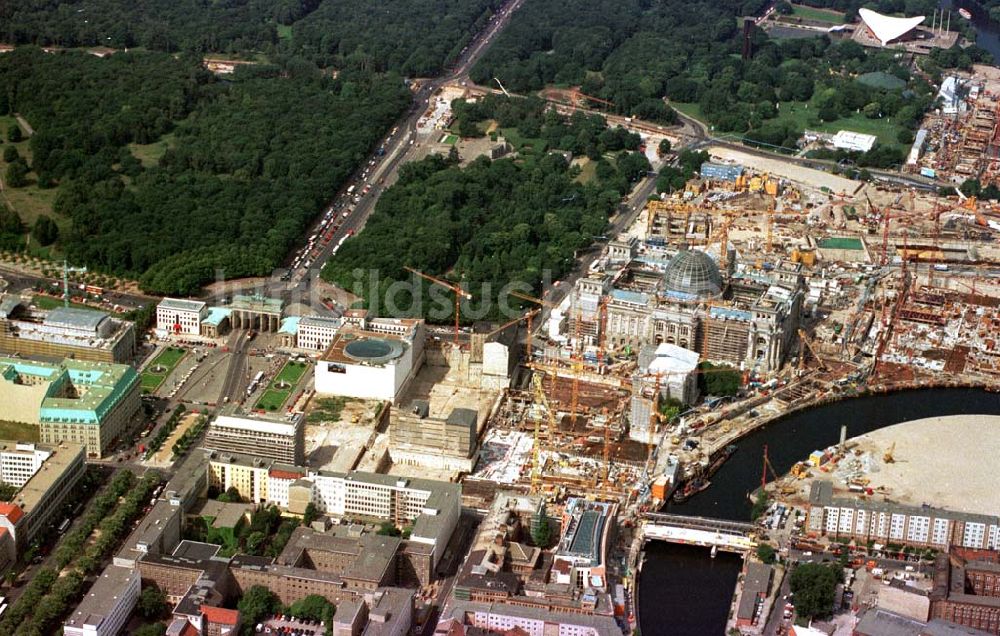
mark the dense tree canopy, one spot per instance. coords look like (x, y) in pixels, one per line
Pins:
(814, 586)
(493, 222)
(250, 162)
(413, 37)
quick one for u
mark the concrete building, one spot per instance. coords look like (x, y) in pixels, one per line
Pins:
(278, 438)
(316, 333)
(39, 501)
(256, 312)
(247, 474)
(852, 141)
(64, 332)
(580, 559)
(107, 606)
(756, 587)
(372, 359)
(748, 319)
(20, 461)
(534, 621)
(866, 520)
(449, 443)
(181, 317)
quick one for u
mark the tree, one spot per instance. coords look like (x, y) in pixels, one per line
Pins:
(7, 491)
(310, 514)
(45, 231)
(766, 553)
(257, 604)
(541, 531)
(232, 495)
(152, 602)
(814, 586)
(718, 380)
(313, 607)
(10, 154)
(153, 629)
(664, 147)
(14, 134)
(388, 529)
(17, 174)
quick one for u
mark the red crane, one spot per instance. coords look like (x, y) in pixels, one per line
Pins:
(458, 291)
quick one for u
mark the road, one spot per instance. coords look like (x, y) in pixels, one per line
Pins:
(397, 149)
(234, 384)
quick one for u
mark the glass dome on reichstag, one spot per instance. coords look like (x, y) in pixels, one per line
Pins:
(692, 274)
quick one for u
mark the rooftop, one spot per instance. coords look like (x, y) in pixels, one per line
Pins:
(692, 273)
(887, 28)
(255, 424)
(63, 457)
(75, 318)
(216, 315)
(179, 304)
(102, 597)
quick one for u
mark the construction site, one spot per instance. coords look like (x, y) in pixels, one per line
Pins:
(806, 294)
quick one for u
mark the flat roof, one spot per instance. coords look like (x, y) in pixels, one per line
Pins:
(102, 597)
(75, 318)
(603, 624)
(216, 315)
(180, 304)
(256, 425)
(290, 325)
(52, 469)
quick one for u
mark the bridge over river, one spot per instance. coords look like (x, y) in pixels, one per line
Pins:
(718, 534)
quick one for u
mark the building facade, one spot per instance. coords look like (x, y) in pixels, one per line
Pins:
(65, 332)
(20, 461)
(181, 317)
(269, 438)
(417, 439)
(885, 523)
(107, 606)
(39, 501)
(315, 333)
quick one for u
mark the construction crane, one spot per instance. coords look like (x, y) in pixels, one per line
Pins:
(770, 224)
(802, 357)
(497, 80)
(66, 272)
(575, 95)
(536, 453)
(458, 291)
(889, 457)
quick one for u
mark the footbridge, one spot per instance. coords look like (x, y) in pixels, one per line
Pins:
(718, 534)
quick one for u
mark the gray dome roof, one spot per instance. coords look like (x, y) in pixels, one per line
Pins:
(692, 274)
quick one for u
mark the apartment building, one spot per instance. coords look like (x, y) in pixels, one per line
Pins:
(925, 526)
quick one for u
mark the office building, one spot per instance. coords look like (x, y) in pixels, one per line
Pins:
(278, 438)
(580, 559)
(449, 443)
(64, 332)
(315, 333)
(534, 621)
(181, 317)
(372, 358)
(39, 501)
(107, 606)
(20, 461)
(865, 520)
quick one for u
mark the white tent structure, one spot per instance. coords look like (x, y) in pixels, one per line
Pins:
(887, 28)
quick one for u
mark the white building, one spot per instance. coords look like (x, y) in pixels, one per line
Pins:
(676, 368)
(886, 28)
(106, 607)
(179, 316)
(19, 462)
(535, 621)
(375, 360)
(316, 333)
(279, 438)
(856, 142)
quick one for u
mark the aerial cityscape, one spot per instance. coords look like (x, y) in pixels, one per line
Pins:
(500, 317)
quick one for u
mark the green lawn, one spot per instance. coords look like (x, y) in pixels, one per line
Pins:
(150, 154)
(29, 201)
(18, 431)
(451, 140)
(48, 303)
(521, 143)
(284, 31)
(588, 171)
(691, 109)
(819, 15)
(805, 118)
(275, 397)
(168, 359)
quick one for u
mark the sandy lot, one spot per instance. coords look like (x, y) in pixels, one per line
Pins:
(948, 462)
(790, 171)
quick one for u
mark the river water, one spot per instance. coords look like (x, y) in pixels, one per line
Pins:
(987, 32)
(683, 592)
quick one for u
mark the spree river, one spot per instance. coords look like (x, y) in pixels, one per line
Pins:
(682, 591)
